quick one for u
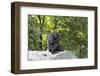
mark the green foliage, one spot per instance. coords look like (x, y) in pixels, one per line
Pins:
(73, 32)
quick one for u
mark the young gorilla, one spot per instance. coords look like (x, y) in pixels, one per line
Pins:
(53, 43)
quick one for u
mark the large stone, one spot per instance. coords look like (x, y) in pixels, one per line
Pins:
(46, 55)
(64, 55)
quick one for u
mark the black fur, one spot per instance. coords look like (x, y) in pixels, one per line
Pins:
(53, 43)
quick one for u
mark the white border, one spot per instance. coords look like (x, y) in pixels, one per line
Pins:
(25, 64)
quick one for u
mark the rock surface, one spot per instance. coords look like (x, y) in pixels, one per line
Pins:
(46, 55)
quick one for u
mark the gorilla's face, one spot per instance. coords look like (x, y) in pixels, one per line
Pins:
(56, 36)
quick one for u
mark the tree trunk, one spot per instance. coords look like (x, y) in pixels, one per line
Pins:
(41, 21)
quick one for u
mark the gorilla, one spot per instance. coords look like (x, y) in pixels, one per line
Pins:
(53, 43)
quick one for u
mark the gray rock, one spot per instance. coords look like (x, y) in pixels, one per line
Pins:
(46, 55)
(64, 55)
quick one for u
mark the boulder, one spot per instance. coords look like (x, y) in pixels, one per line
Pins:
(46, 55)
(64, 55)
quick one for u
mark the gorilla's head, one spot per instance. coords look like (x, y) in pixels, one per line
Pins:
(56, 36)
